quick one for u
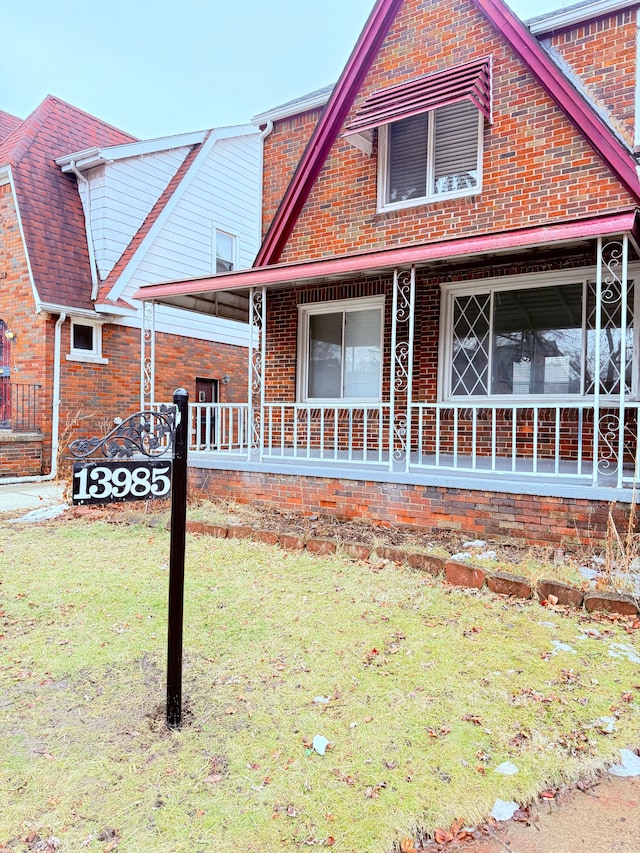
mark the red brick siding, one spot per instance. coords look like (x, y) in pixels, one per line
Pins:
(282, 151)
(474, 514)
(20, 456)
(603, 55)
(34, 332)
(93, 394)
(536, 166)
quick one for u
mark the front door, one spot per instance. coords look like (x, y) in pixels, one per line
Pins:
(206, 392)
(5, 378)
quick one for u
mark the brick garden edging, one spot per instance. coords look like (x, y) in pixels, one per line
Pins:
(455, 572)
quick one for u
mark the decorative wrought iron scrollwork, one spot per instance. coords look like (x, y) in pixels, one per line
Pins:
(149, 433)
(608, 428)
(146, 372)
(256, 309)
(401, 378)
(612, 258)
(403, 290)
(399, 437)
(255, 431)
(256, 371)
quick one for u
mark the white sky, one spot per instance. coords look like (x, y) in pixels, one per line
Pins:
(159, 68)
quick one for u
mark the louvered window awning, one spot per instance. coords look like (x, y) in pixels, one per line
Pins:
(470, 81)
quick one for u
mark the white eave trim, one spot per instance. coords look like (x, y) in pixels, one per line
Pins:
(91, 157)
(576, 14)
(294, 108)
(84, 313)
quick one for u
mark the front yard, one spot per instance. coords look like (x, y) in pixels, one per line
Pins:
(422, 692)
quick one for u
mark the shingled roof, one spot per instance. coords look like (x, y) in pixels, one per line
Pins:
(48, 200)
(8, 123)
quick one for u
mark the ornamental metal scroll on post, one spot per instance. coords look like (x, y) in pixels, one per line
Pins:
(145, 458)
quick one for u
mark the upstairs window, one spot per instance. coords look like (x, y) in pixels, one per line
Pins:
(224, 251)
(432, 155)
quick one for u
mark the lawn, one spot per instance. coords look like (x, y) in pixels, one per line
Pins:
(420, 690)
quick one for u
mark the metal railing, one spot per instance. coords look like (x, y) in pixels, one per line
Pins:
(219, 427)
(355, 435)
(575, 442)
(19, 407)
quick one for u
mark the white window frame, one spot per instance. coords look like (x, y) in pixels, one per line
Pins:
(234, 240)
(92, 356)
(533, 281)
(428, 198)
(339, 305)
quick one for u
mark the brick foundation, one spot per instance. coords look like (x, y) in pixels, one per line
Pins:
(530, 519)
(20, 455)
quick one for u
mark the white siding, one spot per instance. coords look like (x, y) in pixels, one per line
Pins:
(224, 194)
(122, 195)
(190, 324)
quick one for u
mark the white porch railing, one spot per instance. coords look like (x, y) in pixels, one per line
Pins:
(219, 427)
(576, 442)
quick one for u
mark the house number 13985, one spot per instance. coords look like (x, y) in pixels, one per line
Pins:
(120, 481)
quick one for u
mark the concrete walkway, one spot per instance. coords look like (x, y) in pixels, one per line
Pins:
(606, 819)
(27, 496)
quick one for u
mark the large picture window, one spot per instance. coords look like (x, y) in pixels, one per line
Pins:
(340, 350)
(431, 155)
(538, 341)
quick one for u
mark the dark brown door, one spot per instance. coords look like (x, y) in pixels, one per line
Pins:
(206, 392)
(5, 378)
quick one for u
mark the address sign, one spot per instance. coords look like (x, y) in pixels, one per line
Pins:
(104, 482)
(132, 463)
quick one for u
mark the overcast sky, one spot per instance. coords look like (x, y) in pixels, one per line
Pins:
(159, 68)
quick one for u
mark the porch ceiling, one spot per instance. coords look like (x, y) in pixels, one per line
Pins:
(204, 294)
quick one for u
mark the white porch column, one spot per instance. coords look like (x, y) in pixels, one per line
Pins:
(400, 393)
(611, 302)
(148, 355)
(257, 354)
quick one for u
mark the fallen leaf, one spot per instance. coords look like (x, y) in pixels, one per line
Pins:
(443, 836)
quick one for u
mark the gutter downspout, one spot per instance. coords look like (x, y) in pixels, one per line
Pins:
(263, 135)
(87, 224)
(55, 415)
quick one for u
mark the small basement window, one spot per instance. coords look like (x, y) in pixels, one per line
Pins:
(86, 342)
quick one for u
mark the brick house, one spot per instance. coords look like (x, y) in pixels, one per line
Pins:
(87, 215)
(446, 297)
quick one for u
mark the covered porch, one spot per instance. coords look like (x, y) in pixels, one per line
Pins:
(562, 422)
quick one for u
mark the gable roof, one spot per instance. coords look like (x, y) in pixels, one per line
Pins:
(575, 107)
(7, 124)
(48, 202)
(151, 219)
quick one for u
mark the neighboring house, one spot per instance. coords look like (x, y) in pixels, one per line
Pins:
(446, 325)
(88, 214)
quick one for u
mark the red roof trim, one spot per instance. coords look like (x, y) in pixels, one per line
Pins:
(327, 130)
(568, 99)
(469, 81)
(600, 226)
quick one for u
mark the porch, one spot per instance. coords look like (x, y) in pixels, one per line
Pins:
(539, 449)
(505, 363)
